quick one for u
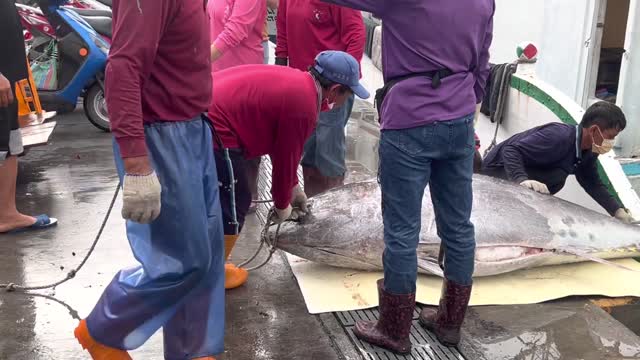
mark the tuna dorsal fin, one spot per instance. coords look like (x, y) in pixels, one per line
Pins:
(430, 266)
(596, 259)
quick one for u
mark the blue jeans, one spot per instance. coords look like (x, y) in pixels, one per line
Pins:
(440, 155)
(265, 50)
(325, 150)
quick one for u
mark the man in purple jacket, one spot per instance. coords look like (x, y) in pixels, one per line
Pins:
(435, 60)
(158, 84)
(543, 157)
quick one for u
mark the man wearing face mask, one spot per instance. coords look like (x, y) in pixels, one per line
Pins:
(543, 157)
(254, 118)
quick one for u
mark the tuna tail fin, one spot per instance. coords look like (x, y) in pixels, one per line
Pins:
(596, 259)
(430, 266)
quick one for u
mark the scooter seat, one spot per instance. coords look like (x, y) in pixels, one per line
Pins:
(91, 12)
(101, 24)
(109, 3)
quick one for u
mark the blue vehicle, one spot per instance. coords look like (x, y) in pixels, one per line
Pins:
(82, 55)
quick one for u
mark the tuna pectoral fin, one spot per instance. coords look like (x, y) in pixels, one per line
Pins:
(595, 259)
(429, 266)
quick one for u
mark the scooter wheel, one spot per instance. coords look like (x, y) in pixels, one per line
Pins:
(95, 107)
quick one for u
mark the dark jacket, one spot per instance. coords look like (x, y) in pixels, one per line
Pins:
(549, 154)
(13, 64)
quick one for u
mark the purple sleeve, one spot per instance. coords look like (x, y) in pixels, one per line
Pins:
(588, 177)
(540, 148)
(138, 27)
(482, 72)
(372, 6)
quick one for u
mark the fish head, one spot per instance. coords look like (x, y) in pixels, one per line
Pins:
(342, 228)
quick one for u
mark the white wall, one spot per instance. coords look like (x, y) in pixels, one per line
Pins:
(567, 38)
(515, 21)
(562, 31)
(628, 97)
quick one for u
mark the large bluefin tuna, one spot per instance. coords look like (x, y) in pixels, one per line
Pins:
(516, 228)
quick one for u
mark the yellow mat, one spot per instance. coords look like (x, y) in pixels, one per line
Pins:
(328, 289)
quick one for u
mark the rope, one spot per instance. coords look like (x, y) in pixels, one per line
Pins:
(500, 106)
(265, 239)
(262, 201)
(10, 287)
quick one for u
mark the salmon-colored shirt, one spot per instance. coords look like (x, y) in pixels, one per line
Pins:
(266, 110)
(158, 67)
(307, 27)
(236, 30)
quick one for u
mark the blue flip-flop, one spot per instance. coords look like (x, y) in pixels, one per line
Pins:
(42, 222)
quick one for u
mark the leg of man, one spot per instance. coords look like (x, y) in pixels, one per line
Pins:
(10, 146)
(234, 276)
(451, 193)
(265, 50)
(181, 253)
(253, 172)
(405, 168)
(311, 176)
(195, 331)
(477, 162)
(324, 152)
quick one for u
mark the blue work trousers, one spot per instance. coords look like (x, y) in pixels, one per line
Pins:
(326, 148)
(179, 284)
(439, 155)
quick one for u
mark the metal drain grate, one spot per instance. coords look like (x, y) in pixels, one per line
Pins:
(425, 345)
(264, 188)
(349, 318)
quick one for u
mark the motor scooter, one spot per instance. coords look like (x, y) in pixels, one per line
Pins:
(37, 26)
(82, 55)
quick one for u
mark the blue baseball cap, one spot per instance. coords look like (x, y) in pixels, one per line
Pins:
(341, 68)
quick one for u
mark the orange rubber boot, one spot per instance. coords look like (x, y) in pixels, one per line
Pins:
(233, 275)
(95, 349)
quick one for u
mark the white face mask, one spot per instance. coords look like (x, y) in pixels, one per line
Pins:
(607, 145)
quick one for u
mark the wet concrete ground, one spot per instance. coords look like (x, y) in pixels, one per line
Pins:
(73, 179)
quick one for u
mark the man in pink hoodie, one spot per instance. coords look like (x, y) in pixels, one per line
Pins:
(236, 28)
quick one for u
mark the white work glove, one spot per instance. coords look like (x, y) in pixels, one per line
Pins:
(536, 186)
(281, 214)
(141, 198)
(624, 216)
(299, 200)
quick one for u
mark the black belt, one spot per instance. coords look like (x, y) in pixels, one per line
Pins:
(435, 75)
